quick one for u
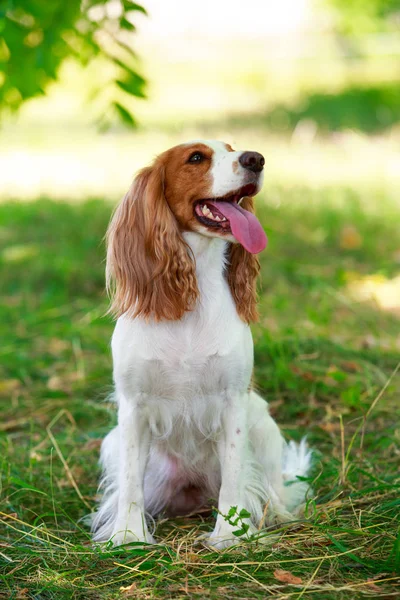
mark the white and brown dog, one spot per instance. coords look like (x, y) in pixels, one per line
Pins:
(181, 262)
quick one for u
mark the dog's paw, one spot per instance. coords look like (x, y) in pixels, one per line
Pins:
(127, 536)
(218, 542)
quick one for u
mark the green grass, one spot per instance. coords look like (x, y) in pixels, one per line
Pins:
(326, 364)
(370, 109)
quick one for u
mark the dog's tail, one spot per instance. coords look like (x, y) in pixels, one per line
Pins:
(297, 459)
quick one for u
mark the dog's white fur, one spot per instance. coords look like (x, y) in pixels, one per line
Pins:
(190, 428)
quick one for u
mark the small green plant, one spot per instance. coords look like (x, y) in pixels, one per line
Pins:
(236, 518)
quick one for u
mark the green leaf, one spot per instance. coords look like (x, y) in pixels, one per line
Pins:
(133, 6)
(241, 531)
(232, 511)
(26, 486)
(133, 87)
(127, 25)
(125, 116)
(244, 514)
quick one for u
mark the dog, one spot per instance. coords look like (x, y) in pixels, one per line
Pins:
(182, 267)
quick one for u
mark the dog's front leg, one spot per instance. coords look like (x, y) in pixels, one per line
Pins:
(232, 448)
(134, 436)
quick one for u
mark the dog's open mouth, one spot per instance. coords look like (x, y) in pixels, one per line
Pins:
(226, 215)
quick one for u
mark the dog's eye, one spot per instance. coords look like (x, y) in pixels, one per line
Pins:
(196, 157)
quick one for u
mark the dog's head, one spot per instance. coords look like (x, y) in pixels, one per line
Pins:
(203, 187)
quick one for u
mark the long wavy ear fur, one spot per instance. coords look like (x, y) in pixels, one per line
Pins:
(150, 271)
(242, 272)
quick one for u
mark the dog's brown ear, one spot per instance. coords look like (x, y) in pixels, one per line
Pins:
(242, 272)
(150, 271)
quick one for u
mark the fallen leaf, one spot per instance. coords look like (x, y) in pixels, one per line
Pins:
(350, 365)
(303, 374)
(192, 557)
(287, 577)
(12, 515)
(350, 238)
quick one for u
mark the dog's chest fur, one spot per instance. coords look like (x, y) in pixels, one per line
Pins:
(205, 353)
(181, 369)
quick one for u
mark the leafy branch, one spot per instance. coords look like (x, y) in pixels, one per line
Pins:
(37, 36)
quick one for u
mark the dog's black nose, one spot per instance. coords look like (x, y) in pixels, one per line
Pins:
(254, 161)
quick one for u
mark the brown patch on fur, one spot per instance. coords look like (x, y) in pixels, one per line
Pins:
(243, 270)
(185, 182)
(147, 257)
(229, 148)
(235, 166)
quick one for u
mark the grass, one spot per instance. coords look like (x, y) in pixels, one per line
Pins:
(369, 109)
(326, 363)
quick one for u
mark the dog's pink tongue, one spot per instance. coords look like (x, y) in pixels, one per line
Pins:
(245, 227)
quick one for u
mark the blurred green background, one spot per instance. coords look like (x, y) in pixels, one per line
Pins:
(315, 86)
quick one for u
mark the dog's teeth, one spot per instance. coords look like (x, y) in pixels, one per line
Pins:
(209, 214)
